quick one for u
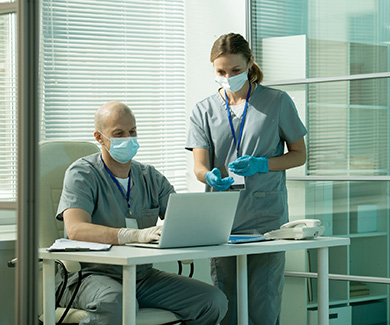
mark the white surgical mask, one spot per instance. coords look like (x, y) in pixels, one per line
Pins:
(232, 84)
(123, 149)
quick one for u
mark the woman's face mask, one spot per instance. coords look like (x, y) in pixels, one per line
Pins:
(232, 84)
(235, 65)
(123, 149)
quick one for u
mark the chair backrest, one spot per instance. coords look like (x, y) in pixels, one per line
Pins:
(55, 157)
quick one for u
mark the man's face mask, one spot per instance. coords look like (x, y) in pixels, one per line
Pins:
(122, 149)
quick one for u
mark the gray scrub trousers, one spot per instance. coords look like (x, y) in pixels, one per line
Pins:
(87, 185)
(271, 121)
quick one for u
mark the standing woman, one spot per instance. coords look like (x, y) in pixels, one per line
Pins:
(237, 136)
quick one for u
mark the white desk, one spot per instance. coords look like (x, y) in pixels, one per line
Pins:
(129, 257)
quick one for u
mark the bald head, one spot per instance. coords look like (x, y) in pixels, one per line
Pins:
(111, 111)
(114, 120)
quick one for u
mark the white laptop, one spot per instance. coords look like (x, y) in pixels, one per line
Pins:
(197, 219)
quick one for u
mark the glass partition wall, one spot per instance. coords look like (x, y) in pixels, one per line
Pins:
(333, 59)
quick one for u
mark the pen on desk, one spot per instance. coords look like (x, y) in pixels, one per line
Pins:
(69, 249)
(76, 249)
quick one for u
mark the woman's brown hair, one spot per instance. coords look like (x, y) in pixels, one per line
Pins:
(236, 44)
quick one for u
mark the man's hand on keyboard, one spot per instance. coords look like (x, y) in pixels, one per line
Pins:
(146, 235)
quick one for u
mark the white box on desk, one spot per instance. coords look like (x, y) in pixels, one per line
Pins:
(337, 316)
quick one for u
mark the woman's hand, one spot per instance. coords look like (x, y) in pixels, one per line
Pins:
(249, 165)
(214, 179)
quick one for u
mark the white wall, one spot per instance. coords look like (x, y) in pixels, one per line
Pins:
(205, 21)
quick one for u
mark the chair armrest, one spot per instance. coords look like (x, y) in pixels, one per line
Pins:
(187, 261)
(12, 263)
(71, 266)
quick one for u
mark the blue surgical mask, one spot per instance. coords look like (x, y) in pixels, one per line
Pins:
(123, 149)
(232, 84)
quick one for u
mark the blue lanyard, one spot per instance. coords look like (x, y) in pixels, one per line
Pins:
(118, 185)
(237, 144)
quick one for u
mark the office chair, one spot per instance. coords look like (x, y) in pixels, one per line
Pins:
(55, 158)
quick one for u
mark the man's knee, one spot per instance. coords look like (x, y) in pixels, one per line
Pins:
(101, 297)
(208, 307)
(220, 299)
(107, 301)
(218, 303)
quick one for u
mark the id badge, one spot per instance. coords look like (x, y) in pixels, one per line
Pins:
(131, 222)
(239, 181)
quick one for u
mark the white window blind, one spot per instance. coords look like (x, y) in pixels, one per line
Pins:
(7, 108)
(132, 51)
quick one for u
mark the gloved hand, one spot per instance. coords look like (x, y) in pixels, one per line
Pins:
(249, 165)
(213, 178)
(146, 235)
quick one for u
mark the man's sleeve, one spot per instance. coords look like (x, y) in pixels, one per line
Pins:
(165, 188)
(79, 190)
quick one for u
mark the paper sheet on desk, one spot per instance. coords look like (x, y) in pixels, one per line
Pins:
(65, 245)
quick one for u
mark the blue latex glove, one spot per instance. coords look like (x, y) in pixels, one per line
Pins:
(213, 178)
(249, 165)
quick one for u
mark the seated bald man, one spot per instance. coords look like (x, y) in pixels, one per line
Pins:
(100, 191)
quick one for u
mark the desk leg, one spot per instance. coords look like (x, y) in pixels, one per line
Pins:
(323, 286)
(49, 292)
(242, 290)
(129, 311)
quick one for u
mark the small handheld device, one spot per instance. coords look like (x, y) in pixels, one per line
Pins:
(298, 229)
(239, 182)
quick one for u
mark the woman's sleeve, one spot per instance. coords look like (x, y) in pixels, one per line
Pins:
(197, 136)
(291, 128)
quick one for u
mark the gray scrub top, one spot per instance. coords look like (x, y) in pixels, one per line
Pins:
(271, 120)
(88, 186)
